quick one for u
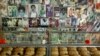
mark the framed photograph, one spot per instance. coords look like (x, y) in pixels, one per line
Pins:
(22, 11)
(55, 38)
(38, 38)
(33, 22)
(12, 11)
(42, 11)
(34, 1)
(71, 38)
(70, 11)
(63, 12)
(66, 3)
(22, 37)
(73, 21)
(80, 38)
(55, 3)
(95, 39)
(91, 11)
(68, 22)
(22, 22)
(49, 11)
(56, 11)
(54, 22)
(9, 22)
(34, 10)
(62, 23)
(64, 38)
(11, 2)
(45, 2)
(44, 22)
(97, 6)
(24, 2)
(17, 2)
(10, 38)
(82, 2)
(3, 8)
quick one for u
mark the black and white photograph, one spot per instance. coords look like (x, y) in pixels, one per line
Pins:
(33, 10)
(44, 22)
(12, 11)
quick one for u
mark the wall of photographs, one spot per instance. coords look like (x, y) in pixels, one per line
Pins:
(51, 21)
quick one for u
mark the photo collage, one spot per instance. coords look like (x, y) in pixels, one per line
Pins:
(79, 15)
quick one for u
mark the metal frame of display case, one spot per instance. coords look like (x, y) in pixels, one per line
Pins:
(49, 45)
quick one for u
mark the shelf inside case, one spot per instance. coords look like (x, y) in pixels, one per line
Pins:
(74, 38)
(26, 38)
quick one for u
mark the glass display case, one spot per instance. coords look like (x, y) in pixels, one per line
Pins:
(50, 27)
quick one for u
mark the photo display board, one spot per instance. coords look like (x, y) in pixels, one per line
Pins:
(51, 21)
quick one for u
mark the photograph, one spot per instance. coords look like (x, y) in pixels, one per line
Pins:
(38, 38)
(55, 3)
(81, 18)
(45, 2)
(66, 3)
(96, 26)
(70, 11)
(97, 6)
(73, 21)
(33, 22)
(42, 11)
(71, 38)
(80, 38)
(96, 23)
(7, 29)
(3, 8)
(55, 38)
(91, 11)
(34, 1)
(63, 38)
(68, 22)
(95, 38)
(24, 2)
(22, 22)
(33, 10)
(17, 2)
(9, 22)
(56, 11)
(10, 38)
(22, 11)
(62, 23)
(63, 12)
(44, 22)
(54, 22)
(11, 2)
(12, 11)
(81, 2)
(49, 11)
(14, 23)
